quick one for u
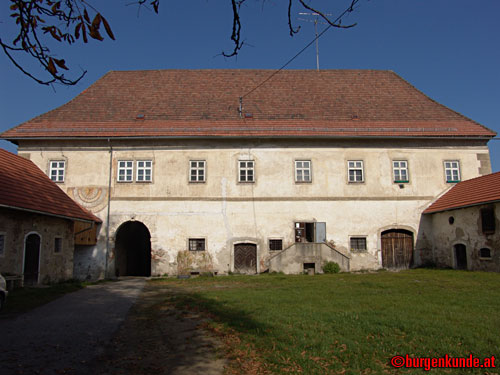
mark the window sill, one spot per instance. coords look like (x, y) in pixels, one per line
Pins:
(196, 182)
(246, 182)
(402, 181)
(303, 182)
(489, 259)
(453, 182)
(144, 182)
(355, 182)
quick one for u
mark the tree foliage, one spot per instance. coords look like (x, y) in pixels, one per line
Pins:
(41, 22)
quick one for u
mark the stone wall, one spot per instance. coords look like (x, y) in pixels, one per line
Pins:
(16, 225)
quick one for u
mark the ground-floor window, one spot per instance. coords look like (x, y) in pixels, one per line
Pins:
(358, 244)
(275, 244)
(196, 244)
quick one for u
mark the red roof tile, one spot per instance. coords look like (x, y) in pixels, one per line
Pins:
(472, 192)
(171, 103)
(24, 186)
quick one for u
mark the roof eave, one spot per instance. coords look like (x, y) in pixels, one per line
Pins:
(51, 214)
(459, 207)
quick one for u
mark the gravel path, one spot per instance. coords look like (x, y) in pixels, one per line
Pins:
(63, 336)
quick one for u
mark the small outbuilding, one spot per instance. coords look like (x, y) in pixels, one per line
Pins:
(37, 223)
(465, 225)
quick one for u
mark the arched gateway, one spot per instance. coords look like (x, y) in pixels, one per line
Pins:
(397, 248)
(133, 250)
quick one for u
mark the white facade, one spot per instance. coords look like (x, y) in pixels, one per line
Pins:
(224, 210)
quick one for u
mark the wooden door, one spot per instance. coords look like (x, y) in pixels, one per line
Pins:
(397, 248)
(460, 257)
(245, 258)
(31, 259)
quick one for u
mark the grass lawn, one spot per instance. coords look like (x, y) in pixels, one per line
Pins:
(348, 323)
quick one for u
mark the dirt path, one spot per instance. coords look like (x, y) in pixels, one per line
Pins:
(156, 338)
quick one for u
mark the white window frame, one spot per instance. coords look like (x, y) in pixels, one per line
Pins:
(397, 167)
(56, 171)
(55, 245)
(127, 166)
(301, 167)
(246, 166)
(355, 165)
(195, 167)
(144, 168)
(451, 166)
(197, 239)
(3, 242)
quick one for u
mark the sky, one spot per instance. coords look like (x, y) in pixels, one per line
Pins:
(448, 49)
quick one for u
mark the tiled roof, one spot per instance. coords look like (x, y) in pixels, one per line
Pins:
(24, 186)
(205, 103)
(467, 193)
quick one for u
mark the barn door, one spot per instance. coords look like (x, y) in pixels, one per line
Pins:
(397, 248)
(245, 258)
(31, 259)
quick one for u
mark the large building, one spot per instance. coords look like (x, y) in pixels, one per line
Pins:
(245, 171)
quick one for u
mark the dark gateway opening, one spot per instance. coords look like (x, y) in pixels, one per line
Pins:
(133, 250)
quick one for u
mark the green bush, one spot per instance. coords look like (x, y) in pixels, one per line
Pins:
(331, 267)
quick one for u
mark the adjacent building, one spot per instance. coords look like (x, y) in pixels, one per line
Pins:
(39, 224)
(248, 171)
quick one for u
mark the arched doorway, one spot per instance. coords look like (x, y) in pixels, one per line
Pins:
(133, 250)
(31, 266)
(460, 256)
(245, 258)
(397, 248)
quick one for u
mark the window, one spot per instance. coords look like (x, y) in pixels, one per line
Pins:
(57, 170)
(358, 244)
(197, 171)
(246, 171)
(144, 171)
(275, 244)
(452, 170)
(488, 220)
(2, 244)
(400, 169)
(355, 168)
(485, 253)
(196, 244)
(57, 245)
(302, 171)
(125, 171)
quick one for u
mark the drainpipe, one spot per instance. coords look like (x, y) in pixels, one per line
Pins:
(109, 203)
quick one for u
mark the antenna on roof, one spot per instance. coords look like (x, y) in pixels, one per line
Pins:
(315, 21)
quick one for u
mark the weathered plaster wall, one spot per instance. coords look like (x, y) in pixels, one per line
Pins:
(224, 211)
(466, 229)
(16, 225)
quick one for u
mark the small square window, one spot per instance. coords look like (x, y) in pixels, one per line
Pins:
(275, 244)
(400, 171)
(246, 171)
(302, 171)
(485, 253)
(196, 244)
(358, 244)
(57, 245)
(2, 244)
(452, 171)
(197, 171)
(355, 171)
(125, 171)
(57, 168)
(144, 171)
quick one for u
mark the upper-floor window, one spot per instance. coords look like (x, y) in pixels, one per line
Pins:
(246, 171)
(144, 171)
(452, 170)
(355, 170)
(400, 170)
(57, 168)
(488, 220)
(125, 171)
(197, 171)
(302, 171)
